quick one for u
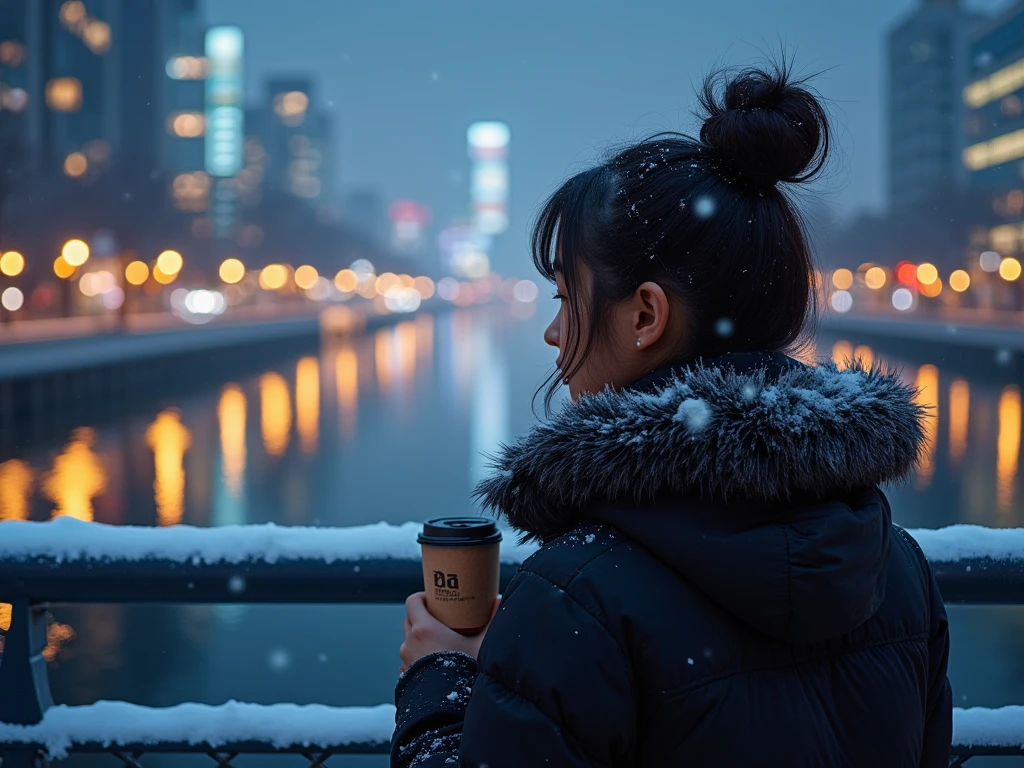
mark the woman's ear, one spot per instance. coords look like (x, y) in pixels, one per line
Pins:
(649, 314)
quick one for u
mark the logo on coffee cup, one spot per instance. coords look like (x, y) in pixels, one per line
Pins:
(441, 582)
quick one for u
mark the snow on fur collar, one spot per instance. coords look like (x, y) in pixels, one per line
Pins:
(710, 430)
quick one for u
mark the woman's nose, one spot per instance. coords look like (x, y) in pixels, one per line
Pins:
(551, 333)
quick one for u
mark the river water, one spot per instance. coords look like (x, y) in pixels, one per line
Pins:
(393, 426)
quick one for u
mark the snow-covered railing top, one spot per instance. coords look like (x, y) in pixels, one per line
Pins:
(367, 563)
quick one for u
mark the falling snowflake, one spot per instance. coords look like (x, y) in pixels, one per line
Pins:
(704, 207)
(236, 585)
(724, 327)
(279, 660)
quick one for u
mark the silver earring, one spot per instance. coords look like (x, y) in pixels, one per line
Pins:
(638, 342)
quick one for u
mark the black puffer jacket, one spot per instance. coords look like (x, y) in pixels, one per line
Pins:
(720, 584)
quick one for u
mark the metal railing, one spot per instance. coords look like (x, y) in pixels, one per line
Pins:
(371, 564)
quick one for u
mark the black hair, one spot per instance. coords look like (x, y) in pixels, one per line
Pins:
(705, 218)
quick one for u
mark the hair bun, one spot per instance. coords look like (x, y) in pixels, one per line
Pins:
(763, 126)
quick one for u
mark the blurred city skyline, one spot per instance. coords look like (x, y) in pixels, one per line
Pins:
(404, 80)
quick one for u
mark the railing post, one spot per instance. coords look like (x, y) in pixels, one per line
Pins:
(24, 685)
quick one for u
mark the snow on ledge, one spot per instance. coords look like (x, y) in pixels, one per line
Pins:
(118, 723)
(67, 539)
(966, 542)
(982, 727)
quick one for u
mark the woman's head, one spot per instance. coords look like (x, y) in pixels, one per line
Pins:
(679, 247)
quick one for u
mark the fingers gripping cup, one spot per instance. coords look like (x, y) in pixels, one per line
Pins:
(461, 570)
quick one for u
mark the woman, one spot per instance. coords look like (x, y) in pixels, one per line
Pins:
(719, 581)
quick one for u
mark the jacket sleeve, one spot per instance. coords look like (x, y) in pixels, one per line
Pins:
(938, 729)
(552, 687)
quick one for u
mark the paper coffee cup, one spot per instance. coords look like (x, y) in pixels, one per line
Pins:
(461, 570)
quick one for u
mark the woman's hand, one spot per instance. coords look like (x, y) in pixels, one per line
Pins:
(424, 634)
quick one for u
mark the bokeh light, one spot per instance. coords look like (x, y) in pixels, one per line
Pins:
(842, 279)
(12, 264)
(12, 299)
(62, 269)
(170, 262)
(75, 252)
(1009, 269)
(273, 277)
(306, 277)
(842, 301)
(136, 273)
(906, 273)
(927, 273)
(874, 278)
(989, 261)
(75, 165)
(424, 287)
(902, 299)
(346, 281)
(959, 281)
(932, 289)
(231, 271)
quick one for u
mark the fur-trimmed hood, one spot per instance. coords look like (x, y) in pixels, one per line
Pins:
(762, 428)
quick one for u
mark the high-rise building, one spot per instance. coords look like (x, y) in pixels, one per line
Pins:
(298, 136)
(100, 86)
(927, 73)
(994, 127)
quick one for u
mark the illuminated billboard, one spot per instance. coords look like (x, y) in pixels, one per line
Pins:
(225, 116)
(488, 187)
(464, 250)
(409, 220)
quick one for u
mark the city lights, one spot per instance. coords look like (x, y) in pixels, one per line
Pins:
(1002, 149)
(169, 262)
(231, 271)
(76, 164)
(291, 107)
(842, 279)
(906, 273)
(136, 273)
(186, 125)
(75, 253)
(874, 278)
(12, 264)
(162, 277)
(224, 111)
(273, 277)
(842, 301)
(927, 273)
(187, 67)
(999, 83)
(346, 281)
(424, 287)
(989, 261)
(1009, 269)
(306, 277)
(62, 269)
(932, 289)
(525, 291)
(64, 94)
(12, 299)
(959, 281)
(902, 299)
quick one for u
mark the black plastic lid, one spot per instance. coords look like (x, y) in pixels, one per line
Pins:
(459, 532)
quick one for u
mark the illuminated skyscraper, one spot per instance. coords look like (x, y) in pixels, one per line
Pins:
(298, 135)
(927, 70)
(488, 151)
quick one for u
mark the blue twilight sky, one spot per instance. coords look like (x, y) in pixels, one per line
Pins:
(404, 78)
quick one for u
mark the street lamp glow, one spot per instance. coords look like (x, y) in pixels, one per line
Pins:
(12, 264)
(989, 261)
(306, 277)
(76, 164)
(162, 277)
(231, 271)
(874, 278)
(842, 279)
(927, 273)
(62, 269)
(902, 299)
(75, 253)
(273, 277)
(959, 281)
(1009, 269)
(346, 281)
(12, 299)
(932, 289)
(136, 273)
(170, 262)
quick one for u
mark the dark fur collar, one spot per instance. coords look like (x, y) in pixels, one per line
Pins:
(761, 435)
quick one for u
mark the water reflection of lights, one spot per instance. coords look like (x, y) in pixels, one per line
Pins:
(169, 439)
(346, 369)
(77, 477)
(5, 618)
(231, 414)
(57, 635)
(864, 354)
(1008, 448)
(927, 384)
(15, 487)
(959, 414)
(382, 360)
(842, 353)
(405, 340)
(307, 403)
(275, 413)
(424, 339)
